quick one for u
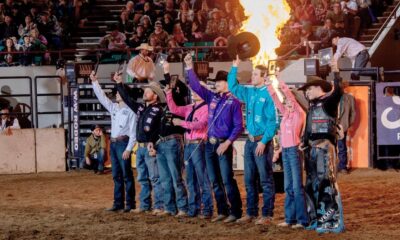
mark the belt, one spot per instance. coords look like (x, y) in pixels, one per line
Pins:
(214, 140)
(195, 141)
(169, 137)
(143, 144)
(365, 50)
(119, 139)
(255, 138)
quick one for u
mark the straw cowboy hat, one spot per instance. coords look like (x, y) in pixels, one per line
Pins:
(145, 46)
(155, 87)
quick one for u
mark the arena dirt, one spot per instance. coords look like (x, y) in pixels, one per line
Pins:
(71, 206)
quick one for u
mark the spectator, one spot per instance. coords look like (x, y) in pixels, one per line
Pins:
(141, 68)
(138, 37)
(186, 25)
(168, 23)
(178, 34)
(305, 12)
(51, 29)
(16, 15)
(173, 52)
(156, 45)
(37, 39)
(115, 40)
(216, 26)
(95, 150)
(160, 34)
(139, 6)
(228, 11)
(2, 12)
(185, 10)
(220, 54)
(8, 6)
(201, 21)
(351, 20)
(321, 9)
(196, 35)
(6, 100)
(325, 33)
(25, 47)
(124, 24)
(364, 13)
(147, 10)
(25, 7)
(340, 28)
(170, 9)
(8, 58)
(34, 12)
(129, 8)
(27, 26)
(8, 29)
(7, 122)
(336, 15)
(147, 25)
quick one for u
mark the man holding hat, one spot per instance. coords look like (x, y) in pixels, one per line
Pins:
(261, 125)
(141, 68)
(225, 123)
(319, 139)
(123, 137)
(147, 134)
(95, 149)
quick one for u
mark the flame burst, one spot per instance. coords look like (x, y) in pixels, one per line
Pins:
(265, 17)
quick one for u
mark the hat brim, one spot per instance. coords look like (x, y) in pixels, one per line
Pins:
(158, 91)
(236, 43)
(325, 86)
(145, 48)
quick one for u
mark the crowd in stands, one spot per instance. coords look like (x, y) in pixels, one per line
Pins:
(27, 26)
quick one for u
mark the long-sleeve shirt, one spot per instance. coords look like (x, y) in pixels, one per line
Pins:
(149, 117)
(13, 124)
(225, 118)
(93, 145)
(197, 127)
(348, 47)
(292, 121)
(260, 109)
(123, 119)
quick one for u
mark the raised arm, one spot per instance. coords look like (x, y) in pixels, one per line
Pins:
(235, 88)
(275, 98)
(123, 92)
(132, 131)
(177, 110)
(101, 96)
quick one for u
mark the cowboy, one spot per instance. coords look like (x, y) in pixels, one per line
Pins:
(6, 122)
(141, 68)
(261, 125)
(123, 131)
(225, 123)
(147, 134)
(319, 139)
(95, 149)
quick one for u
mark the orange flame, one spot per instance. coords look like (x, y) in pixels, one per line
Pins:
(265, 17)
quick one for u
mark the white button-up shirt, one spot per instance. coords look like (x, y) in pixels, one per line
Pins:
(348, 47)
(123, 119)
(15, 124)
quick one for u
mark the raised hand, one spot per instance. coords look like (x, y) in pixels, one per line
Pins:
(93, 77)
(188, 61)
(236, 62)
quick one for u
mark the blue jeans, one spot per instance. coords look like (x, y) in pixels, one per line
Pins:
(258, 166)
(122, 174)
(148, 178)
(220, 172)
(198, 184)
(295, 205)
(98, 160)
(169, 161)
(342, 153)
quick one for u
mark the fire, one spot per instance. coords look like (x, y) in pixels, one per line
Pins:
(265, 17)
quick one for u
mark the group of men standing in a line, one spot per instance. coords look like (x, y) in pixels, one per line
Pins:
(204, 132)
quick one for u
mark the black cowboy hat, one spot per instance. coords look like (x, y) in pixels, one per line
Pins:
(221, 76)
(317, 81)
(244, 44)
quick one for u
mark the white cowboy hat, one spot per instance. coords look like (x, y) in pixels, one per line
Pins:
(145, 46)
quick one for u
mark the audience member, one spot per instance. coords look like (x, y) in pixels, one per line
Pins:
(216, 26)
(160, 34)
(115, 40)
(141, 68)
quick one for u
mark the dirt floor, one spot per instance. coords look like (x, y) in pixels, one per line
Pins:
(71, 206)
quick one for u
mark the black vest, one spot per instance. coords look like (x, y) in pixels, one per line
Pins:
(319, 124)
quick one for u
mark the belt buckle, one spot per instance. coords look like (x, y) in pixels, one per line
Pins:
(213, 140)
(251, 138)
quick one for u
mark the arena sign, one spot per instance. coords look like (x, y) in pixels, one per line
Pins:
(75, 120)
(388, 113)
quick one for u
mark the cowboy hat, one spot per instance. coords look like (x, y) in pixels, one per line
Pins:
(244, 44)
(220, 76)
(145, 46)
(319, 82)
(155, 87)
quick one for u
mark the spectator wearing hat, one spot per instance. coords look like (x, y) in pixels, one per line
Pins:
(319, 143)
(51, 29)
(6, 100)
(352, 49)
(216, 26)
(159, 33)
(8, 28)
(261, 126)
(220, 54)
(138, 37)
(7, 122)
(115, 40)
(141, 68)
(225, 124)
(147, 134)
(95, 150)
(123, 138)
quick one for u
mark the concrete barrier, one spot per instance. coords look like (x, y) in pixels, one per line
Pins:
(32, 151)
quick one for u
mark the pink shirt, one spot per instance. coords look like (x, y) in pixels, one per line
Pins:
(198, 126)
(292, 122)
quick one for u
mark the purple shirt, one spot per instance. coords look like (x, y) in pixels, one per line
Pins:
(224, 111)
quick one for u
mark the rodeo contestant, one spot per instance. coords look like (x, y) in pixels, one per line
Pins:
(326, 213)
(197, 180)
(225, 123)
(261, 125)
(169, 161)
(123, 131)
(147, 134)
